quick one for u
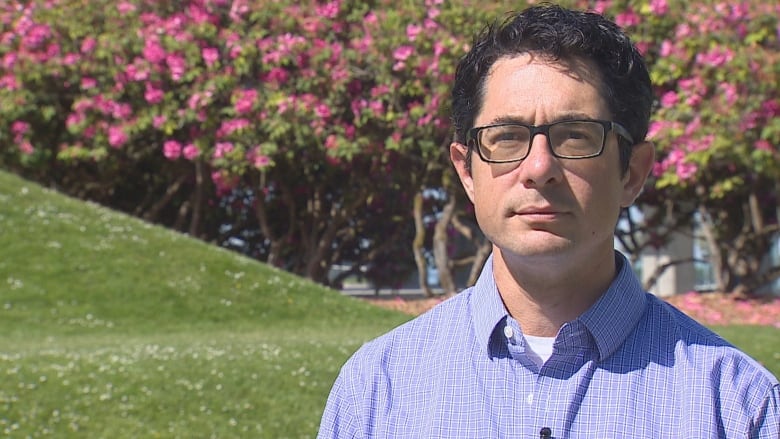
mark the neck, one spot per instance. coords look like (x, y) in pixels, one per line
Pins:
(542, 297)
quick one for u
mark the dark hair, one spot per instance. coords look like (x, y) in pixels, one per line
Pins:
(559, 34)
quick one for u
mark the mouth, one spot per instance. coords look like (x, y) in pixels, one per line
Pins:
(537, 214)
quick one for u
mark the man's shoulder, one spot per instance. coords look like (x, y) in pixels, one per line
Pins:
(420, 338)
(699, 348)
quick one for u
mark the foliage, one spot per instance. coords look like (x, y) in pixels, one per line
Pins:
(302, 133)
(114, 327)
(716, 67)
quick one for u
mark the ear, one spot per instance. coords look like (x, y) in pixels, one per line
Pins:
(459, 156)
(639, 167)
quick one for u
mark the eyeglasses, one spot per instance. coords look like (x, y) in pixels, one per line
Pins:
(570, 139)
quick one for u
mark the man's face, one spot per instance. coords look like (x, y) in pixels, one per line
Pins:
(547, 209)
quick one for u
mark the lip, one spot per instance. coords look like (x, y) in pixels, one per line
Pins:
(537, 216)
(542, 211)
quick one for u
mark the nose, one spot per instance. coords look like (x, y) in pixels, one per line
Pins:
(540, 167)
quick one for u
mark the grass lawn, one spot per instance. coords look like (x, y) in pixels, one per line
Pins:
(116, 328)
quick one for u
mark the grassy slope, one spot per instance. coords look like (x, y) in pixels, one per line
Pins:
(115, 327)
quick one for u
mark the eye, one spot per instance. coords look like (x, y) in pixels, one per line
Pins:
(503, 136)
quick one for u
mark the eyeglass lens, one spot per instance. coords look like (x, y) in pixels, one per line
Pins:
(567, 139)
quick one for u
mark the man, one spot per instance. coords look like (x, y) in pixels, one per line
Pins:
(557, 337)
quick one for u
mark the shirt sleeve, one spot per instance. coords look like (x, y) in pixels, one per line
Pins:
(340, 419)
(767, 423)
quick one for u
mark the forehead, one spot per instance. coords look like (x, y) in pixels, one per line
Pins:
(531, 87)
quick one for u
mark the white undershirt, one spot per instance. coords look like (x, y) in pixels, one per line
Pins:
(539, 349)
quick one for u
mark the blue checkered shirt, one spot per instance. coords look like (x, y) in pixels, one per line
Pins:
(632, 366)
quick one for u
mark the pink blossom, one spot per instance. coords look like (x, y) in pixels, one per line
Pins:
(229, 127)
(349, 132)
(20, 128)
(278, 75)
(683, 31)
(322, 111)
(121, 110)
(403, 53)
(125, 7)
(377, 107)
(223, 184)
(659, 168)
(35, 36)
(71, 59)
(245, 101)
(331, 142)
(222, 148)
(715, 57)
(88, 83)
(172, 149)
(370, 18)
(770, 108)
(729, 92)
(627, 18)
(153, 95)
(73, 120)
(9, 60)
(701, 144)
(153, 52)
(339, 74)
(659, 7)
(601, 6)
(210, 55)
(763, 145)
(412, 31)
(177, 64)
(364, 44)
(190, 151)
(669, 99)
(686, 170)
(667, 47)
(88, 45)
(642, 46)
(311, 25)
(158, 121)
(135, 73)
(260, 161)
(237, 10)
(676, 156)
(116, 136)
(197, 14)
(329, 10)
(26, 147)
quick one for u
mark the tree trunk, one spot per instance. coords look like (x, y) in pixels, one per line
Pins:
(483, 251)
(440, 241)
(717, 259)
(197, 200)
(418, 245)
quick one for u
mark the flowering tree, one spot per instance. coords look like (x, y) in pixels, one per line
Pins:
(715, 65)
(315, 131)
(305, 114)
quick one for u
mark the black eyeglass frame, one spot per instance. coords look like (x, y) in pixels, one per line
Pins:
(472, 137)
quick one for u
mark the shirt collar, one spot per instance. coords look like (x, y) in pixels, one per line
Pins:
(613, 317)
(487, 307)
(610, 320)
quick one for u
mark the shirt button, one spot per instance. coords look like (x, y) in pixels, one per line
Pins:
(530, 399)
(508, 332)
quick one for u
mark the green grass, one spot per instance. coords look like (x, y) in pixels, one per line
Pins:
(112, 327)
(761, 342)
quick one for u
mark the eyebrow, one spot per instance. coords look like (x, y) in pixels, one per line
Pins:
(569, 115)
